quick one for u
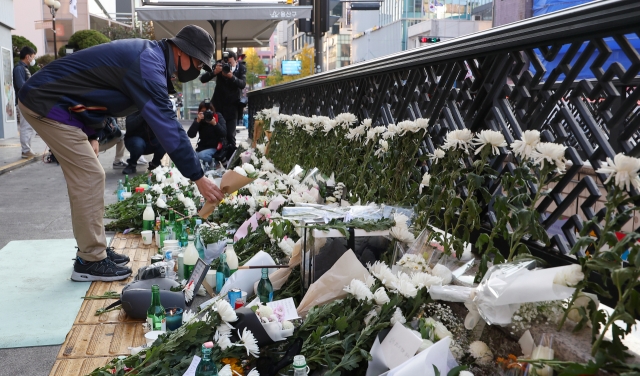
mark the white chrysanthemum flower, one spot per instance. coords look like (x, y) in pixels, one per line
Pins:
(488, 137)
(253, 372)
(373, 313)
(569, 275)
(264, 311)
(356, 133)
(583, 301)
(187, 315)
(240, 171)
(465, 373)
(551, 153)
(226, 312)
(380, 296)
(425, 345)
(287, 325)
(402, 233)
(384, 147)
(437, 155)
(442, 272)
(225, 371)
(441, 331)
(249, 342)
(623, 169)
(366, 123)
(458, 139)
(369, 280)
(346, 119)
(425, 280)
(265, 212)
(523, 148)
(261, 148)
(405, 288)
(481, 352)
(372, 134)
(156, 188)
(359, 290)
(188, 292)
(222, 339)
(422, 123)
(286, 245)
(426, 178)
(249, 168)
(381, 271)
(398, 317)
(407, 126)
(160, 203)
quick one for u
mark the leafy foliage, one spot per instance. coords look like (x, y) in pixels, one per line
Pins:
(17, 42)
(84, 39)
(255, 67)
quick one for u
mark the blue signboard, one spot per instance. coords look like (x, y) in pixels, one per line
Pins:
(291, 67)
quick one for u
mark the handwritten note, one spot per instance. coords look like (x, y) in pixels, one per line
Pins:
(191, 371)
(399, 345)
(288, 307)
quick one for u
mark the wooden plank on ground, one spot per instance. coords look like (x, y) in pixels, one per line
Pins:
(94, 340)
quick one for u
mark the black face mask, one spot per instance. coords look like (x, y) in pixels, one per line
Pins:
(188, 75)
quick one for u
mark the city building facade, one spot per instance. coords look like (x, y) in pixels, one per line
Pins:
(8, 120)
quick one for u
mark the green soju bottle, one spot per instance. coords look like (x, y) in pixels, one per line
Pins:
(265, 288)
(127, 184)
(149, 183)
(162, 233)
(206, 367)
(222, 273)
(184, 234)
(156, 317)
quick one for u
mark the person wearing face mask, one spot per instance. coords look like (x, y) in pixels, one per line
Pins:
(21, 74)
(67, 102)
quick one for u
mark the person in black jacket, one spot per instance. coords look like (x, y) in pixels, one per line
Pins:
(140, 140)
(212, 133)
(226, 97)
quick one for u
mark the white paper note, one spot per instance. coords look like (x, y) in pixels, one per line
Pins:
(288, 306)
(399, 345)
(191, 371)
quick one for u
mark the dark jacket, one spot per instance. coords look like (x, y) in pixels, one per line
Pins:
(209, 135)
(138, 127)
(21, 74)
(228, 90)
(113, 80)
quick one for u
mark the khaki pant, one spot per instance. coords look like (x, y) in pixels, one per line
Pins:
(85, 181)
(119, 144)
(26, 133)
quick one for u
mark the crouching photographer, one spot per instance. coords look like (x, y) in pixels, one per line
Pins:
(211, 129)
(140, 140)
(230, 78)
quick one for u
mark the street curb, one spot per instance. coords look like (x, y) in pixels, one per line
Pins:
(15, 165)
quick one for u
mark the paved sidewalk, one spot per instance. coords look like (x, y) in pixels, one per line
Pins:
(11, 153)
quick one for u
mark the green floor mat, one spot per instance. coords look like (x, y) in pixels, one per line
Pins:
(39, 300)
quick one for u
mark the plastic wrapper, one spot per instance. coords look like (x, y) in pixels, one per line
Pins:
(244, 279)
(506, 286)
(437, 355)
(280, 276)
(331, 285)
(296, 172)
(369, 212)
(450, 293)
(311, 212)
(213, 251)
(231, 181)
(389, 210)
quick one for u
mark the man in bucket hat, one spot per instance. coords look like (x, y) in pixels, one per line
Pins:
(67, 101)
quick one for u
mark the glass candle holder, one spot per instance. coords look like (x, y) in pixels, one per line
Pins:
(174, 318)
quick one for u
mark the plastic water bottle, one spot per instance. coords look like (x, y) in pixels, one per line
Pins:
(300, 366)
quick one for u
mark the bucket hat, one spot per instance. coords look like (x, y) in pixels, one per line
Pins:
(197, 43)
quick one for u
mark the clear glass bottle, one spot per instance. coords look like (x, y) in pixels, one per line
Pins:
(120, 190)
(222, 273)
(156, 316)
(265, 288)
(206, 367)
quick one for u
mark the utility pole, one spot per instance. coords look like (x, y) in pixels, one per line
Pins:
(317, 33)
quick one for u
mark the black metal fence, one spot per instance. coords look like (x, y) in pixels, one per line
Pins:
(572, 75)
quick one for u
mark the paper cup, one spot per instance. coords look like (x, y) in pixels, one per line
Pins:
(211, 278)
(171, 244)
(147, 237)
(152, 336)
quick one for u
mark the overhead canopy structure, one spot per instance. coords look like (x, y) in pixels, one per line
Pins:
(243, 24)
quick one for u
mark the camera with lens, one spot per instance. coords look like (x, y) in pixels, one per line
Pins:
(208, 115)
(224, 62)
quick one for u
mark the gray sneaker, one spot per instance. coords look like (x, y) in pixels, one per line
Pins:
(119, 164)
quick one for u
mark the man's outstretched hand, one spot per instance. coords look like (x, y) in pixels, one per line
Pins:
(209, 190)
